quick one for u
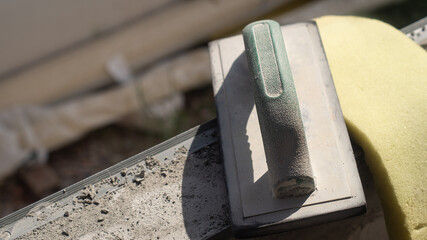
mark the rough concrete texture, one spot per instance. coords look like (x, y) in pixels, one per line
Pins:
(179, 198)
(153, 205)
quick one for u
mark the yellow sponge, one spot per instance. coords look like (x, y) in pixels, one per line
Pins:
(381, 79)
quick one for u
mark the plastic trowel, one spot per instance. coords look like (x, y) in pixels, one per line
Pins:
(287, 154)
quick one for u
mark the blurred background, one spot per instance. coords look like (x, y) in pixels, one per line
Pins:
(85, 84)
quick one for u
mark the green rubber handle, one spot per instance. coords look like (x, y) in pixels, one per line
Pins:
(278, 110)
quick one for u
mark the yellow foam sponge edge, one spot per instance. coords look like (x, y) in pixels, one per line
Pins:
(381, 80)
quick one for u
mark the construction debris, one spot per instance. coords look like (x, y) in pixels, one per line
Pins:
(158, 207)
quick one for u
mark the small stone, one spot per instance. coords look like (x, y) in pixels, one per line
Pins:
(114, 181)
(87, 195)
(66, 214)
(104, 211)
(100, 219)
(65, 233)
(139, 177)
(163, 174)
(151, 162)
(182, 150)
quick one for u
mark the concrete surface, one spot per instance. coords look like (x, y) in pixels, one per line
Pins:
(188, 201)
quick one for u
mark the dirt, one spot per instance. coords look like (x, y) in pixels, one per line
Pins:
(151, 202)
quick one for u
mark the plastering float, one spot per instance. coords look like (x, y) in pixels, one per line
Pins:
(287, 154)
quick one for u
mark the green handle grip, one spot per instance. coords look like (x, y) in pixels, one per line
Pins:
(278, 110)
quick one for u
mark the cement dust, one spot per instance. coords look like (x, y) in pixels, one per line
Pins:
(151, 203)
